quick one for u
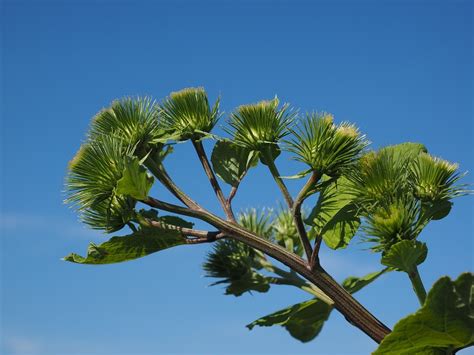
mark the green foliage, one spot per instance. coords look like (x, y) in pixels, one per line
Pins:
(231, 162)
(258, 125)
(135, 182)
(405, 255)
(134, 120)
(92, 180)
(444, 323)
(187, 114)
(353, 284)
(303, 320)
(335, 215)
(129, 247)
(325, 147)
(392, 193)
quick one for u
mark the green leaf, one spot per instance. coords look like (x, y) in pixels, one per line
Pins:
(269, 154)
(303, 320)
(135, 181)
(436, 210)
(335, 216)
(353, 284)
(299, 175)
(405, 255)
(231, 162)
(444, 323)
(129, 247)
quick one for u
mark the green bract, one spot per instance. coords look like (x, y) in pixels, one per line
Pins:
(134, 120)
(257, 125)
(327, 148)
(92, 180)
(187, 113)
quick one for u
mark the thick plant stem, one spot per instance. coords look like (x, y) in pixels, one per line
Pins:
(417, 284)
(353, 311)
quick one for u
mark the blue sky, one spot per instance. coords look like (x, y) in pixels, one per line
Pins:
(403, 71)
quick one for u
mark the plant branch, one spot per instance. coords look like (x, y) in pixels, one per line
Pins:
(276, 176)
(291, 278)
(232, 193)
(354, 312)
(417, 284)
(212, 178)
(314, 261)
(303, 194)
(186, 231)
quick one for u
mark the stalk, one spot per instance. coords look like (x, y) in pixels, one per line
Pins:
(417, 284)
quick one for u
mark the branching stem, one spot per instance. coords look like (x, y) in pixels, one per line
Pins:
(354, 312)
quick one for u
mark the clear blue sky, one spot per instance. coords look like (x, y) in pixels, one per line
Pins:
(403, 71)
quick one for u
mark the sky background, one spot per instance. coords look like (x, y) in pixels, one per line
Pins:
(402, 71)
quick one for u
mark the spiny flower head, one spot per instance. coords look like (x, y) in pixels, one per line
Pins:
(187, 113)
(91, 183)
(434, 178)
(256, 125)
(134, 120)
(327, 148)
(391, 223)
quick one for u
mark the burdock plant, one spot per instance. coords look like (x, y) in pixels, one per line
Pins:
(387, 197)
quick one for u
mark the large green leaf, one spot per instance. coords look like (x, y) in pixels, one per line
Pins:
(436, 210)
(353, 284)
(129, 247)
(443, 324)
(135, 181)
(303, 320)
(231, 162)
(269, 153)
(405, 255)
(335, 216)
